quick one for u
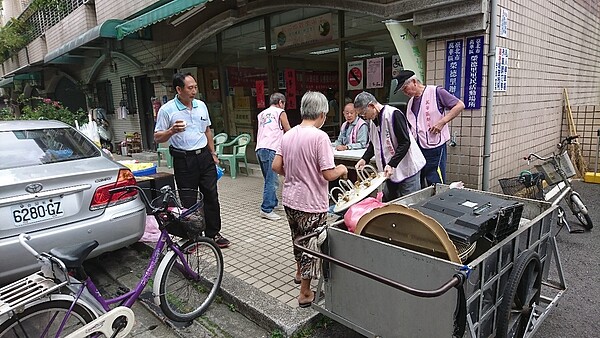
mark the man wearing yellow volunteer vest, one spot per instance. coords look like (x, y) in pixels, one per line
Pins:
(429, 111)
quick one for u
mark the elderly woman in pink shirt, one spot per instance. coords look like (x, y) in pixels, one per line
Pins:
(306, 160)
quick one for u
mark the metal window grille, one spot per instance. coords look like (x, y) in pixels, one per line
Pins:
(41, 20)
(128, 94)
(105, 96)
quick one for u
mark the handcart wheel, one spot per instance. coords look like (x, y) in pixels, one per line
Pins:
(574, 203)
(521, 292)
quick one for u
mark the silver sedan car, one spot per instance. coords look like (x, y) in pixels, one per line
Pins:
(54, 185)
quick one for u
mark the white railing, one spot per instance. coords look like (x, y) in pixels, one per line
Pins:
(42, 20)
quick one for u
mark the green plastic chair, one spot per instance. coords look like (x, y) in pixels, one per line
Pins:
(219, 140)
(163, 152)
(238, 145)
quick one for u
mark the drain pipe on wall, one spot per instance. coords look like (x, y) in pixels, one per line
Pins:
(487, 141)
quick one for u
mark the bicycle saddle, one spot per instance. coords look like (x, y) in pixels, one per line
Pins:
(74, 255)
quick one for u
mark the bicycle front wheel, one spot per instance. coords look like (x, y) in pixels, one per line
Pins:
(574, 203)
(188, 287)
(35, 320)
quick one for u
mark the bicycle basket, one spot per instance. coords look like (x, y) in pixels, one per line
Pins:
(190, 224)
(526, 185)
(552, 176)
(185, 223)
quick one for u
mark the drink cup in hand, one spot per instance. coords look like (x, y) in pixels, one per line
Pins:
(180, 125)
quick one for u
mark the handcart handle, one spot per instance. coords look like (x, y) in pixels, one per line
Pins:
(456, 280)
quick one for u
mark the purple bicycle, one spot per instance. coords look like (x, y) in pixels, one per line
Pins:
(61, 300)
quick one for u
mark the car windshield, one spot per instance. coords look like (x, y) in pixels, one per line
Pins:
(42, 146)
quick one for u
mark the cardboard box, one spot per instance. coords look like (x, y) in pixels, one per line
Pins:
(161, 179)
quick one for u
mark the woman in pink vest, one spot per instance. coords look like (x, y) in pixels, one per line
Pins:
(272, 123)
(429, 111)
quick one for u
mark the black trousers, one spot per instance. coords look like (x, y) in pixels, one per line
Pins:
(198, 171)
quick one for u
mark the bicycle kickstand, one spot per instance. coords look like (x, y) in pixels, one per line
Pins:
(562, 220)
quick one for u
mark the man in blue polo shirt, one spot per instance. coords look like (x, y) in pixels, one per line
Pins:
(184, 121)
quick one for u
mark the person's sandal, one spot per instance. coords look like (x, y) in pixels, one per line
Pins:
(307, 304)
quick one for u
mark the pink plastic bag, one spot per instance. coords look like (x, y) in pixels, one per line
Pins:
(356, 211)
(151, 233)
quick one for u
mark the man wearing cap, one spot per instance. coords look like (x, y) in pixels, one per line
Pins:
(394, 147)
(429, 111)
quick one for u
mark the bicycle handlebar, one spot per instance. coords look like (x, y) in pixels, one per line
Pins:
(528, 157)
(167, 191)
(567, 140)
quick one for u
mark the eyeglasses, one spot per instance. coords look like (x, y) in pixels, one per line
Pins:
(362, 111)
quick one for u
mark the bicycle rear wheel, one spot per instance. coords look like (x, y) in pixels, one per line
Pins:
(185, 295)
(34, 320)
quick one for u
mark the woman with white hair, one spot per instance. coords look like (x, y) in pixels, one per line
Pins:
(306, 160)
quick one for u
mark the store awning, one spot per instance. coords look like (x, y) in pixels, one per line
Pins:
(19, 70)
(156, 15)
(105, 30)
(4, 83)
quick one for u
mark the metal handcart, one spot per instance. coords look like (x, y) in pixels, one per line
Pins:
(383, 290)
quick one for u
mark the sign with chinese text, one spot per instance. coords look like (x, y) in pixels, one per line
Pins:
(290, 84)
(375, 73)
(501, 70)
(454, 50)
(503, 32)
(260, 94)
(473, 72)
(355, 75)
(318, 28)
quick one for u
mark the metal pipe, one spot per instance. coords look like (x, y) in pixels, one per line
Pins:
(456, 280)
(597, 151)
(487, 141)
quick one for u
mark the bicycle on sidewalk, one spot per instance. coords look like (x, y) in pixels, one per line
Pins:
(61, 300)
(556, 171)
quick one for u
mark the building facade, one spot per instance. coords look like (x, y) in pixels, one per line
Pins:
(111, 54)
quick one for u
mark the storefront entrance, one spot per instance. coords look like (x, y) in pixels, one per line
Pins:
(337, 53)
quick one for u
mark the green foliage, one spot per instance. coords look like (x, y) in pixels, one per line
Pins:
(16, 34)
(6, 114)
(45, 109)
(277, 334)
(13, 36)
(41, 5)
